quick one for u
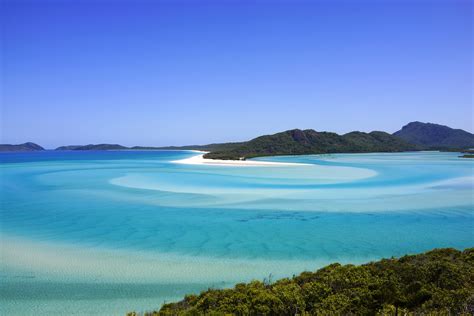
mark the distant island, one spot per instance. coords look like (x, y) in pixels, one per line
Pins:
(21, 147)
(439, 282)
(93, 147)
(412, 137)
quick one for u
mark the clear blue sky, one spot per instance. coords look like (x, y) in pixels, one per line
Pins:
(186, 72)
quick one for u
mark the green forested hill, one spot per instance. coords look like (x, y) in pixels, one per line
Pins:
(439, 282)
(300, 142)
(21, 147)
(435, 136)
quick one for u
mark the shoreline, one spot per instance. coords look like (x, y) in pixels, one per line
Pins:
(200, 160)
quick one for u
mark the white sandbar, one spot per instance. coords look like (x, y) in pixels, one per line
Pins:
(200, 160)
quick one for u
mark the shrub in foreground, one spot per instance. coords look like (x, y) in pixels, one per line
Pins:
(439, 282)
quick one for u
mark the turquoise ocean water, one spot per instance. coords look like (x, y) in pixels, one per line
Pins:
(102, 233)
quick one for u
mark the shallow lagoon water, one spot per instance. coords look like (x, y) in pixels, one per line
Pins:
(102, 233)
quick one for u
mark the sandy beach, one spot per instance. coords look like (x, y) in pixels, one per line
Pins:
(200, 160)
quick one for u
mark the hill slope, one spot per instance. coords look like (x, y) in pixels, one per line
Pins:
(301, 142)
(439, 282)
(21, 147)
(435, 135)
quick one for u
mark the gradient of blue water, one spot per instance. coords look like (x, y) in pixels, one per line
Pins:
(69, 197)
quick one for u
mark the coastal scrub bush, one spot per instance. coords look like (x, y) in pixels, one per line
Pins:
(439, 282)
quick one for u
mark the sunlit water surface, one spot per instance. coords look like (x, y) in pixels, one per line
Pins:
(102, 233)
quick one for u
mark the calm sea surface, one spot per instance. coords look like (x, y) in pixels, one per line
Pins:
(103, 233)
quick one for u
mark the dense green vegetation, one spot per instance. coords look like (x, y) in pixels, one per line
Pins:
(21, 147)
(302, 142)
(439, 282)
(435, 136)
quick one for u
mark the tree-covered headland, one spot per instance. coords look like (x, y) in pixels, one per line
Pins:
(439, 282)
